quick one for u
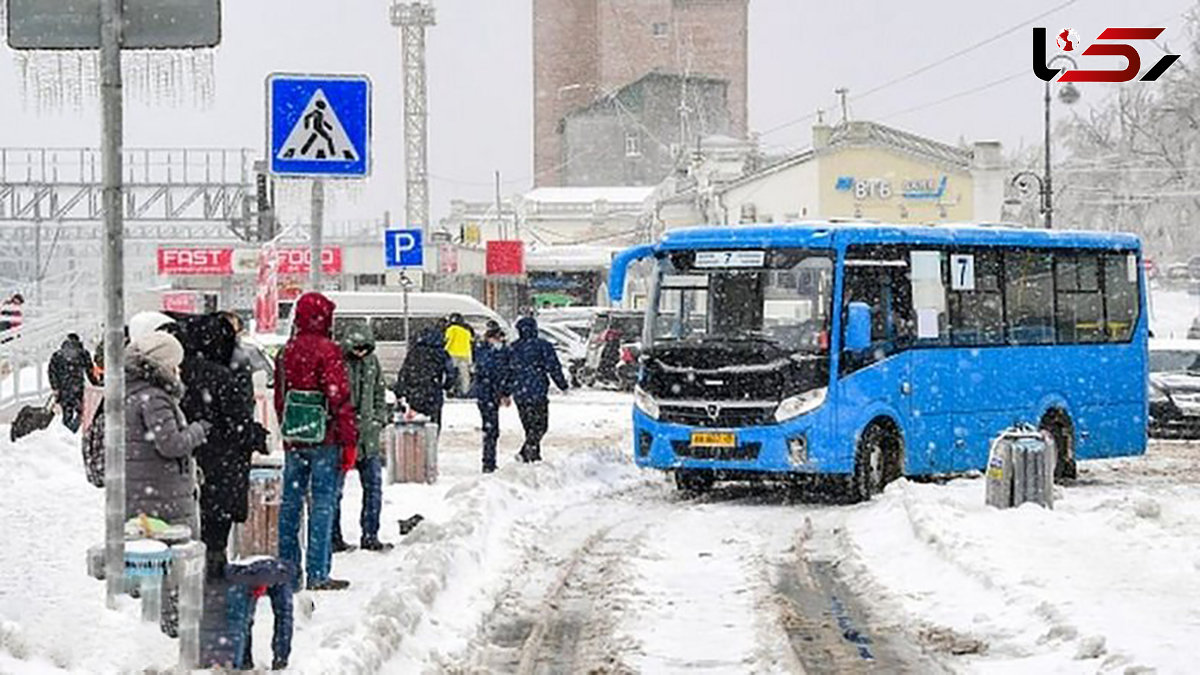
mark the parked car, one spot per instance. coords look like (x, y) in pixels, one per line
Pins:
(1177, 276)
(577, 319)
(1174, 388)
(613, 345)
(572, 350)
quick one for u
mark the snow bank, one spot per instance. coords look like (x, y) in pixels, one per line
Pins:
(1105, 581)
(458, 554)
(52, 613)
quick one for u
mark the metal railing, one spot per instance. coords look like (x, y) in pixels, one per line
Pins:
(30, 346)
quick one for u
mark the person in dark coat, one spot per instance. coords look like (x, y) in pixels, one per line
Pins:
(533, 363)
(69, 367)
(426, 375)
(312, 362)
(491, 387)
(239, 361)
(212, 395)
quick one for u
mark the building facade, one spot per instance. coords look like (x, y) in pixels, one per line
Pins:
(857, 169)
(584, 50)
(638, 135)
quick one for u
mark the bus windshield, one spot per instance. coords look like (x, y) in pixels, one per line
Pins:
(781, 297)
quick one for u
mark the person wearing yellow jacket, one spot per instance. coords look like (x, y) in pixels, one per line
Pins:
(460, 339)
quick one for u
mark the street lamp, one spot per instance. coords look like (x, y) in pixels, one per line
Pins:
(1068, 94)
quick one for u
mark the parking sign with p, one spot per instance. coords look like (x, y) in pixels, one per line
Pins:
(402, 248)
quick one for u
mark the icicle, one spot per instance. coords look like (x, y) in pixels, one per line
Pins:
(53, 81)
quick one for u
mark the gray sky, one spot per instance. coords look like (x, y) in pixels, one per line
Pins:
(480, 68)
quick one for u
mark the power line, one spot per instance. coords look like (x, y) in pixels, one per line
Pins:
(965, 50)
(930, 66)
(951, 97)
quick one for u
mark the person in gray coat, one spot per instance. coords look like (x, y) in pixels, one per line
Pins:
(160, 474)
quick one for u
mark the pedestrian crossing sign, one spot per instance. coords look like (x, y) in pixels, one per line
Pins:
(319, 125)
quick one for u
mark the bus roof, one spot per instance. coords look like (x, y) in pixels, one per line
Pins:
(825, 234)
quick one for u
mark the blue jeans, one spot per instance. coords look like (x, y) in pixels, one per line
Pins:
(370, 474)
(313, 469)
(241, 602)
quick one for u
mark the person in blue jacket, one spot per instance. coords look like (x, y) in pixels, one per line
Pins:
(491, 387)
(533, 363)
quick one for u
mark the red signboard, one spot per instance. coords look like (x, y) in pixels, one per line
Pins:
(187, 302)
(506, 258)
(195, 261)
(299, 260)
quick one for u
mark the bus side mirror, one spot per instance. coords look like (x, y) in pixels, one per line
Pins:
(858, 327)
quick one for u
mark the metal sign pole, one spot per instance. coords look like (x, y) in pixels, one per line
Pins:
(318, 226)
(404, 284)
(114, 293)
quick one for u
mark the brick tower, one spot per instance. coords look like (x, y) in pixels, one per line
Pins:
(583, 49)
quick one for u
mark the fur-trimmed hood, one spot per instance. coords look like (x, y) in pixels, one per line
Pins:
(141, 372)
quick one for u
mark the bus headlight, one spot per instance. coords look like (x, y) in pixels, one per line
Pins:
(794, 406)
(645, 402)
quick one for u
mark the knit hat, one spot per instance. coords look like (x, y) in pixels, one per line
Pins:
(160, 348)
(146, 322)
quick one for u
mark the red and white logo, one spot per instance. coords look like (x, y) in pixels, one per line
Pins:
(1067, 40)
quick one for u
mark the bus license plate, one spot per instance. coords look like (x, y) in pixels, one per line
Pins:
(714, 439)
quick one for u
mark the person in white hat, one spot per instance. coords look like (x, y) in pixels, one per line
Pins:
(160, 474)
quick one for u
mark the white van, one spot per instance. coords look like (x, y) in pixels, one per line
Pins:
(384, 313)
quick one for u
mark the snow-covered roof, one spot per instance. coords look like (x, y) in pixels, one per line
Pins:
(587, 195)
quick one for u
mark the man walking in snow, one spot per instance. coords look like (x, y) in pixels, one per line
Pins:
(370, 409)
(310, 368)
(492, 383)
(460, 339)
(68, 368)
(533, 364)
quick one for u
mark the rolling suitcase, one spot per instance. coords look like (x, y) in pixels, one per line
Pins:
(411, 447)
(259, 535)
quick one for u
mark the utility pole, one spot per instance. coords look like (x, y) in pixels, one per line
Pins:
(111, 145)
(413, 18)
(318, 228)
(841, 93)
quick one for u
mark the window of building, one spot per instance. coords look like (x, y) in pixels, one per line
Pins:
(1079, 306)
(659, 28)
(1029, 297)
(633, 144)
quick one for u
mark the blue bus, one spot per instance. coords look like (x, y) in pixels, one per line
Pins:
(873, 351)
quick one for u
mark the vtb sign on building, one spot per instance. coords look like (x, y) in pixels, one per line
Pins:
(1110, 42)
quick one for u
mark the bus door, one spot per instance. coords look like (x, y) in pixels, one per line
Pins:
(880, 377)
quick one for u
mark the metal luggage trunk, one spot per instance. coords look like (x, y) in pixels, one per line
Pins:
(410, 449)
(259, 535)
(1021, 468)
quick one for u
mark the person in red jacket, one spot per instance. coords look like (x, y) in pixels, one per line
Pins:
(312, 361)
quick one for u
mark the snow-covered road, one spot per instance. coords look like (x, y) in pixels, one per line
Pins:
(586, 564)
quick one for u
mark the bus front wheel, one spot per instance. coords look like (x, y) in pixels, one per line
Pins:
(878, 461)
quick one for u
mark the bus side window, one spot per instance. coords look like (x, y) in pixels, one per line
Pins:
(928, 290)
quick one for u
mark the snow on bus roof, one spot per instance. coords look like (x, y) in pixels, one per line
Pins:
(812, 232)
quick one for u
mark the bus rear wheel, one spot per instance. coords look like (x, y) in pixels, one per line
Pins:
(1058, 424)
(878, 460)
(694, 482)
